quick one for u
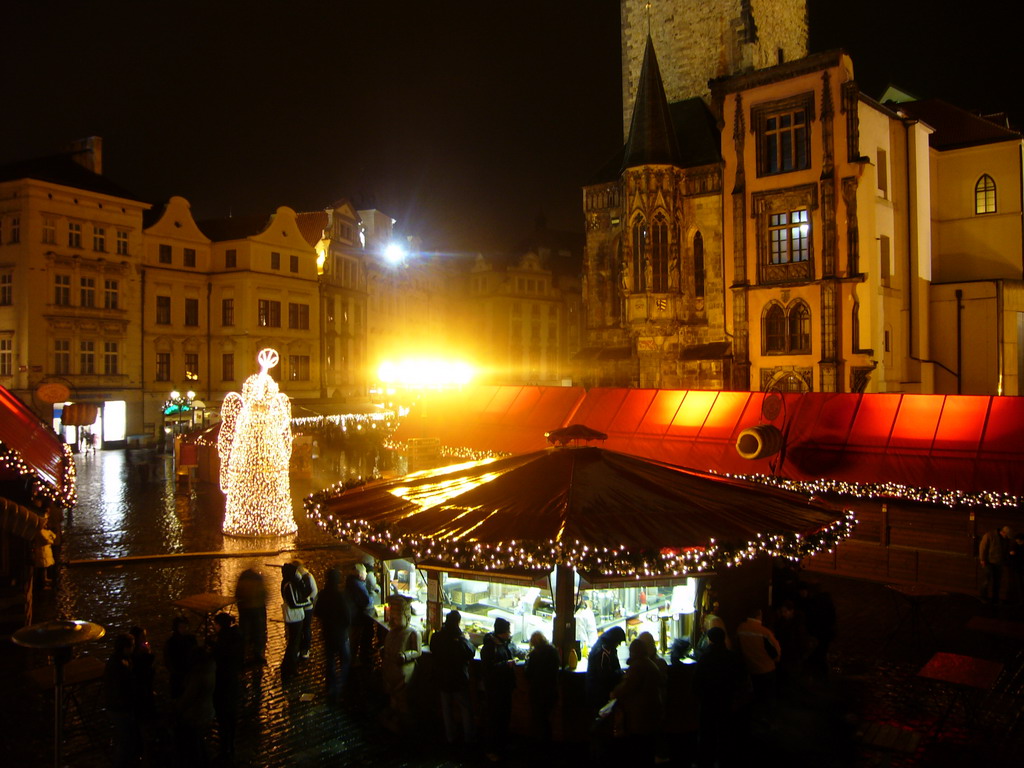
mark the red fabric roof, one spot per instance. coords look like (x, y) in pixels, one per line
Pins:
(39, 448)
(961, 442)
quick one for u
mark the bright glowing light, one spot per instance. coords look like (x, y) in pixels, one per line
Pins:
(255, 446)
(422, 373)
(394, 253)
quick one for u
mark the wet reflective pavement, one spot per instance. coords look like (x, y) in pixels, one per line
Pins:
(136, 543)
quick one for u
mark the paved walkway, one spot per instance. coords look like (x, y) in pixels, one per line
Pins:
(874, 710)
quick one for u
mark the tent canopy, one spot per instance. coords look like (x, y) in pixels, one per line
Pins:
(29, 448)
(602, 512)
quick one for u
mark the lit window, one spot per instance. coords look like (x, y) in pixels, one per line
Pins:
(99, 239)
(985, 195)
(269, 313)
(789, 237)
(74, 234)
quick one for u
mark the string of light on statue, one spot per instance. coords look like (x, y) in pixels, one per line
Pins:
(256, 479)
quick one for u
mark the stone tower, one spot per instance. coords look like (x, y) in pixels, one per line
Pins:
(698, 40)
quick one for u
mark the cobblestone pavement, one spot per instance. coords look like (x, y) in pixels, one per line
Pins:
(873, 711)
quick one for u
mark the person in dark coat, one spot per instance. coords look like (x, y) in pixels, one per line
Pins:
(361, 630)
(603, 669)
(121, 694)
(310, 592)
(498, 667)
(251, 599)
(178, 654)
(640, 705)
(541, 673)
(717, 680)
(451, 651)
(335, 616)
(144, 670)
(295, 599)
(193, 710)
(229, 654)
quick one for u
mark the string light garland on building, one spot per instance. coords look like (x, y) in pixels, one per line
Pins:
(42, 492)
(255, 447)
(536, 556)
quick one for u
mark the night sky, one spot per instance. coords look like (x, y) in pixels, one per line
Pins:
(464, 121)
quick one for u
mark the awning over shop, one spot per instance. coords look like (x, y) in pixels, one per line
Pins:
(20, 521)
(29, 448)
(499, 419)
(956, 442)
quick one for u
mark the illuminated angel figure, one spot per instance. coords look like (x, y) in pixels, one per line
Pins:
(255, 447)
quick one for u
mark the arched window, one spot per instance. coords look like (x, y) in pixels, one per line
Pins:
(659, 255)
(799, 329)
(985, 195)
(698, 265)
(774, 330)
(639, 255)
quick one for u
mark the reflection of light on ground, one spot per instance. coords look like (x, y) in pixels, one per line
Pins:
(112, 492)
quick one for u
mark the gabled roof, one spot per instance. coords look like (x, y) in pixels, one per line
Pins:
(234, 227)
(652, 139)
(62, 169)
(312, 225)
(956, 127)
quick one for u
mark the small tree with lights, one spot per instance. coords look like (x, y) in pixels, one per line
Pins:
(255, 447)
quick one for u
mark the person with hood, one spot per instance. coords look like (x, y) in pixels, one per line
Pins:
(335, 615)
(452, 651)
(498, 662)
(603, 668)
(294, 601)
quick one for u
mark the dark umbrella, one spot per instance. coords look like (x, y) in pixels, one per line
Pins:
(601, 512)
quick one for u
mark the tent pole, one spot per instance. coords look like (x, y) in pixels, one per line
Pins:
(565, 610)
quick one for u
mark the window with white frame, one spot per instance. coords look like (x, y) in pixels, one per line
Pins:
(783, 134)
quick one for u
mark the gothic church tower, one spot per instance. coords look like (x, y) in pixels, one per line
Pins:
(698, 40)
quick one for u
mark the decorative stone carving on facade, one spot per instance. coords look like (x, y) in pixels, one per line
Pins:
(851, 97)
(771, 378)
(849, 191)
(860, 375)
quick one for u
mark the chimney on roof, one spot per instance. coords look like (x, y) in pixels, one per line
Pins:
(88, 153)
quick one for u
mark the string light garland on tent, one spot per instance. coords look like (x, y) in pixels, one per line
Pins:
(533, 556)
(255, 447)
(42, 492)
(937, 496)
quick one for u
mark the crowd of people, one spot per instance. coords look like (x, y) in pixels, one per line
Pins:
(737, 678)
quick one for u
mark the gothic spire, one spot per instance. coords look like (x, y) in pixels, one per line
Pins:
(652, 139)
